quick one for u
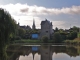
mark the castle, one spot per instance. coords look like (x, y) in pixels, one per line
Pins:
(46, 29)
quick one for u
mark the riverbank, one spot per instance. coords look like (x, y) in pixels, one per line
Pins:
(31, 41)
(73, 42)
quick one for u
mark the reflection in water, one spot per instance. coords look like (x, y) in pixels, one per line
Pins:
(46, 53)
(43, 53)
(63, 56)
(37, 57)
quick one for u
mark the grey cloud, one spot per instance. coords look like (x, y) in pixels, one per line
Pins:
(24, 10)
(56, 11)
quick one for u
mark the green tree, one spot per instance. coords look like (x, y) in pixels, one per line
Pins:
(78, 35)
(72, 35)
(74, 28)
(22, 32)
(63, 35)
(7, 29)
(61, 30)
(45, 39)
(56, 29)
(57, 37)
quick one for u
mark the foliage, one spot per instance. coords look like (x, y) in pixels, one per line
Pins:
(27, 41)
(56, 29)
(78, 35)
(73, 42)
(72, 35)
(17, 38)
(74, 28)
(7, 26)
(35, 31)
(61, 30)
(63, 35)
(57, 37)
(45, 39)
(21, 32)
(7, 30)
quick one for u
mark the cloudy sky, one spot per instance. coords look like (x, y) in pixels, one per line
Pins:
(62, 13)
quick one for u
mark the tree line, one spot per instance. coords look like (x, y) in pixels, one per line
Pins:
(61, 35)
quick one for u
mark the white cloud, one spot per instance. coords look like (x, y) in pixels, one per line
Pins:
(60, 24)
(26, 13)
(24, 9)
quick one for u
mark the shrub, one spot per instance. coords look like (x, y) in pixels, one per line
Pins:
(17, 38)
(45, 39)
(57, 37)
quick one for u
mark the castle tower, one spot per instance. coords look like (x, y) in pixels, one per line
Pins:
(46, 29)
(33, 26)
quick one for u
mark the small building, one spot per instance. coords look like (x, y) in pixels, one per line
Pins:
(26, 27)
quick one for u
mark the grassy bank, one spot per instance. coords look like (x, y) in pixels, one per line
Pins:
(68, 42)
(31, 41)
(73, 42)
(27, 41)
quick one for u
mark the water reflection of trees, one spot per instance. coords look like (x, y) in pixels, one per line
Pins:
(71, 51)
(14, 52)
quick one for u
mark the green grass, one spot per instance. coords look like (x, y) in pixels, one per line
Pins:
(30, 41)
(27, 41)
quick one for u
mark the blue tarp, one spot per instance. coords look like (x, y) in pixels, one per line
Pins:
(35, 36)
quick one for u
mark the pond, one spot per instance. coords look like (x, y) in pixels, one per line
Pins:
(43, 52)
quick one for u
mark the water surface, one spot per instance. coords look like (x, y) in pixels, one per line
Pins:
(43, 52)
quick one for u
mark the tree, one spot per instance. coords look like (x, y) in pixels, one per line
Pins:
(7, 26)
(22, 32)
(61, 30)
(57, 37)
(56, 29)
(7, 29)
(72, 35)
(74, 28)
(45, 39)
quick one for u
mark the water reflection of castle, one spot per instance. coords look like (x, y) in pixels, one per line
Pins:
(46, 52)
